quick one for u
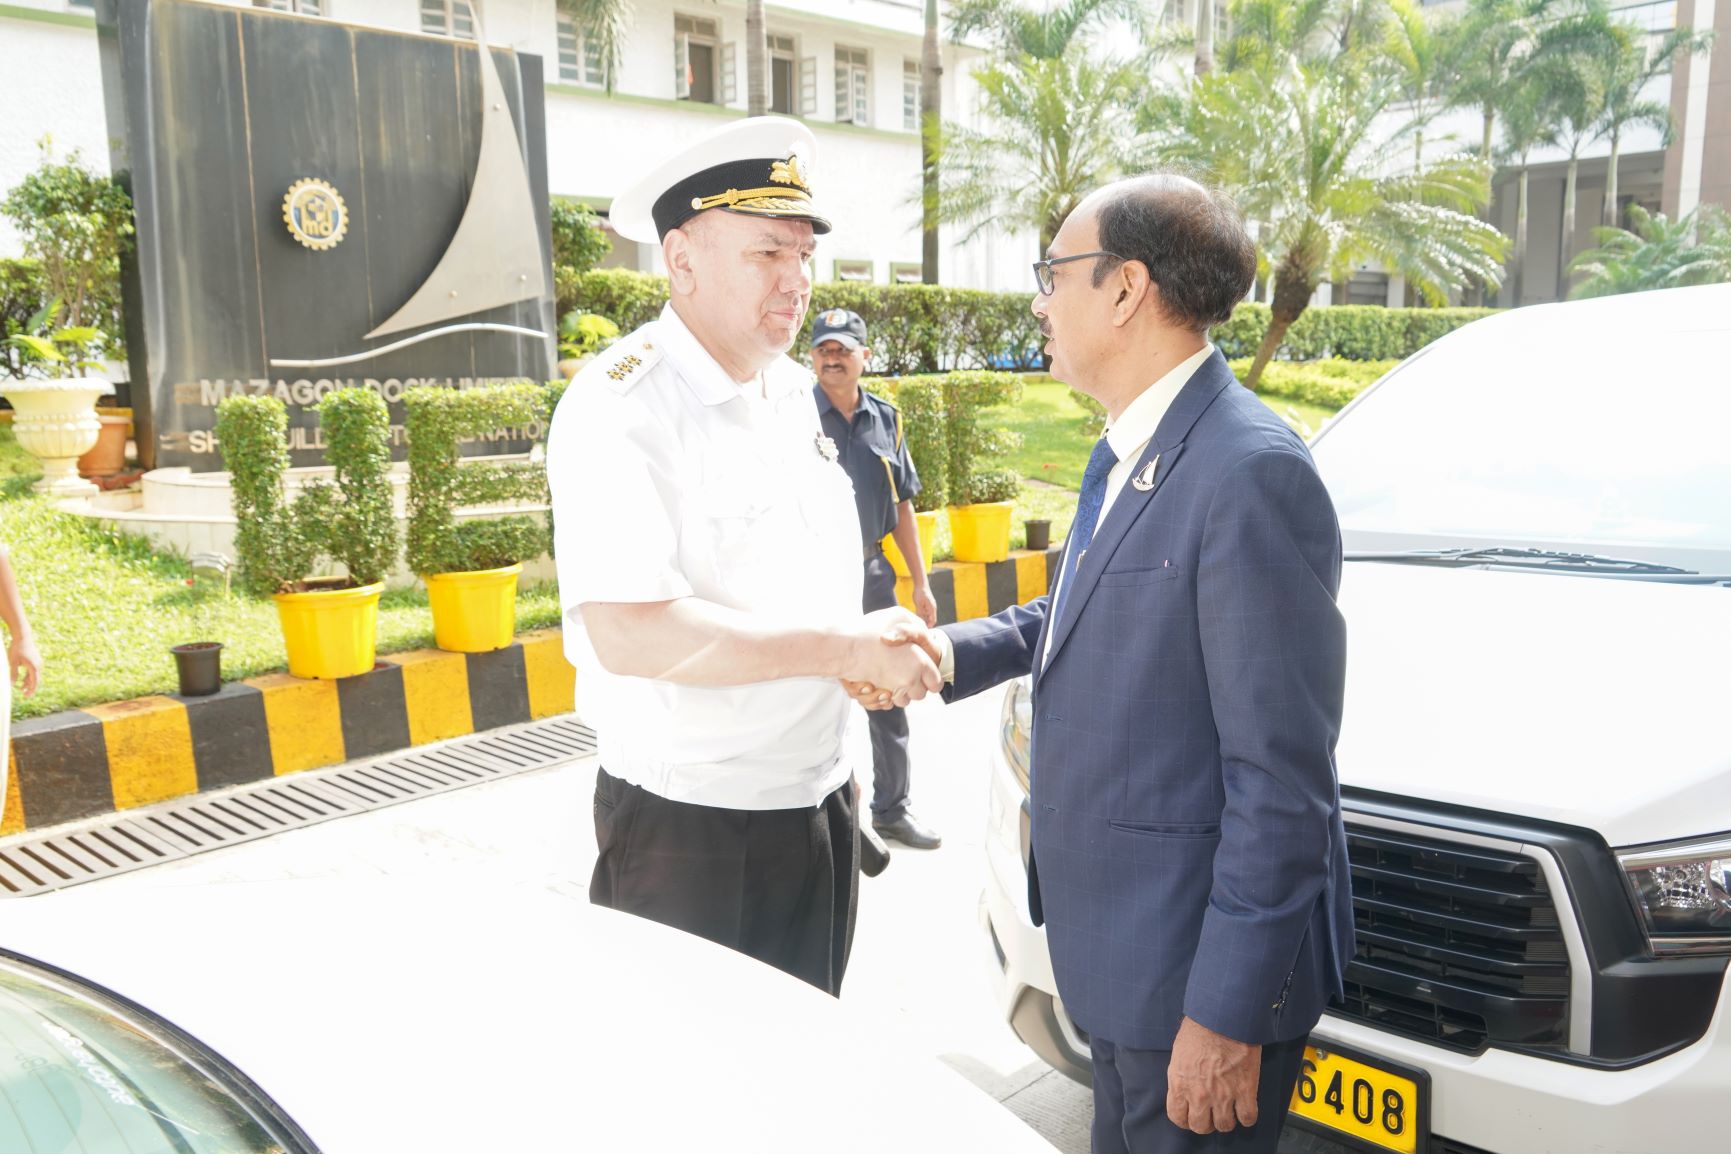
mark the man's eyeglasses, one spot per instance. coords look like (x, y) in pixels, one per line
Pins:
(1043, 268)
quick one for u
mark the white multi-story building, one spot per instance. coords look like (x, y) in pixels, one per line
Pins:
(849, 68)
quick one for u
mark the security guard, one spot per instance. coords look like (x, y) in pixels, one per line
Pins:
(867, 431)
(709, 574)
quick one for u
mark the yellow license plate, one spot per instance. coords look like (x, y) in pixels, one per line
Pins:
(1381, 1109)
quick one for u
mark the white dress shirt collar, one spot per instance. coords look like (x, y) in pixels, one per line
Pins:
(1136, 424)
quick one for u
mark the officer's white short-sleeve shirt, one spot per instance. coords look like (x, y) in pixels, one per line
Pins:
(671, 480)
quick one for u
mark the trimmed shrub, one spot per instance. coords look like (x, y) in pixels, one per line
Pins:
(972, 447)
(438, 420)
(1328, 383)
(626, 298)
(921, 400)
(1352, 332)
(351, 521)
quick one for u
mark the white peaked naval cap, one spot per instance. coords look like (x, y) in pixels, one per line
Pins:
(759, 166)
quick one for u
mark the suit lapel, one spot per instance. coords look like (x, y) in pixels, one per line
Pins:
(1152, 469)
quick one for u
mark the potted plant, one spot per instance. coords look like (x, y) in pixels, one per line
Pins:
(54, 402)
(921, 402)
(980, 521)
(329, 624)
(981, 496)
(471, 567)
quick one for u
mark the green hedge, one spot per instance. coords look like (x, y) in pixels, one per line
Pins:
(913, 328)
(929, 328)
(1352, 332)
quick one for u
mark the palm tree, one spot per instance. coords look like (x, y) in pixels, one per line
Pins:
(931, 143)
(1573, 60)
(1527, 124)
(1305, 151)
(1626, 106)
(1496, 42)
(1417, 47)
(756, 61)
(1061, 121)
(1060, 128)
(607, 24)
(1204, 37)
(1657, 253)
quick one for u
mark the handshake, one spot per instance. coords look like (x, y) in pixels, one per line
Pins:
(893, 659)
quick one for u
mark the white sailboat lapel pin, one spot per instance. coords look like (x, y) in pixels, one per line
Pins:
(1144, 480)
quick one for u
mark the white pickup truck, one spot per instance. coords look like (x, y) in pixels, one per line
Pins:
(1536, 757)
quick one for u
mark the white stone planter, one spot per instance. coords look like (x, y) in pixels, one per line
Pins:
(56, 423)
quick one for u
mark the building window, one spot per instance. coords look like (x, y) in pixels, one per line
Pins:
(905, 272)
(854, 270)
(448, 18)
(911, 95)
(697, 60)
(1367, 288)
(852, 86)
(298, 7)
(88, 5)
(783, 75)
(579, 55)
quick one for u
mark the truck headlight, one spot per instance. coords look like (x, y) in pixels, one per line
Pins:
(1683, 891)
(1016, 728)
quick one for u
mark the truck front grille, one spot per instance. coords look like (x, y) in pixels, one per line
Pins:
(1457, 945)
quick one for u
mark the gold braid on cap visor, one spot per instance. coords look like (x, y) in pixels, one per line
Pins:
(764, 200)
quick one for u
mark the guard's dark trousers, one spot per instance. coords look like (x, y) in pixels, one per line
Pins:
(1130, 1103)
(889, 727)
(779, 884)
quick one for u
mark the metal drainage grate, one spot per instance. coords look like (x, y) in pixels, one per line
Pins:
(117, 843)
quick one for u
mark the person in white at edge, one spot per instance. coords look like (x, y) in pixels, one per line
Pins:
(709, 575)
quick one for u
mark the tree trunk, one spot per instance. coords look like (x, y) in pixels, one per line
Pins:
(1204, 37)
(1490, 115)
(931, 121)
(1292, 293)
(1518, 273)
(1610, 217)
(1565, 247)
(756, 61)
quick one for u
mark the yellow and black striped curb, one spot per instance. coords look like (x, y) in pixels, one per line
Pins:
(967, 589)
(105, 758)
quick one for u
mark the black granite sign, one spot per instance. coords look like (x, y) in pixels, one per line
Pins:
(319, 206)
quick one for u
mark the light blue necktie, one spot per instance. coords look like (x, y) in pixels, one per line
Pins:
(1100, 463)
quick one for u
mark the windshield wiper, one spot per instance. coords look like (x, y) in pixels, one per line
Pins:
(1541, 559)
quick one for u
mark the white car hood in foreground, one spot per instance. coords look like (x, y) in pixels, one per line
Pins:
(1594, 702)
(392, 1016)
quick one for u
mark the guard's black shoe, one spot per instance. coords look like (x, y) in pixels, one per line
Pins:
(874, 855)
(907, 830)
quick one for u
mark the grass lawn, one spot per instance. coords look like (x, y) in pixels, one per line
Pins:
(106, 607)
(1057, 436)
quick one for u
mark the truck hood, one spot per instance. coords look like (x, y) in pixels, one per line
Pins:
(448, 1017)
(1594, 702)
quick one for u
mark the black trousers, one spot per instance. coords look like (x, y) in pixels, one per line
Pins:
(1130, 1103)
(889, 727)
(780, 885)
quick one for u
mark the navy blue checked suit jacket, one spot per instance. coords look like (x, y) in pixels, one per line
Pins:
(1188, 851)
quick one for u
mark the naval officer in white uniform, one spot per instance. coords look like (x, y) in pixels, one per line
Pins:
(709, 573)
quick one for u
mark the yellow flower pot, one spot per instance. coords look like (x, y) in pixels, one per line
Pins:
(980, 532)
(927, 524)
(475, 611)
(331, 632)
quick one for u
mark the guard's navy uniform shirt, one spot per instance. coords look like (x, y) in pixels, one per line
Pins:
(875, 455)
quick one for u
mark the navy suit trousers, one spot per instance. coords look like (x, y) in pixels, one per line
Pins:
(1130, 1103)
(889, 727)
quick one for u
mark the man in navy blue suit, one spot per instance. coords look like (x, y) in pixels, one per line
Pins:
(1188, 856)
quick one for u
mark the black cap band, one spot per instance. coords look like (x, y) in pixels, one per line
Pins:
(768, 187)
